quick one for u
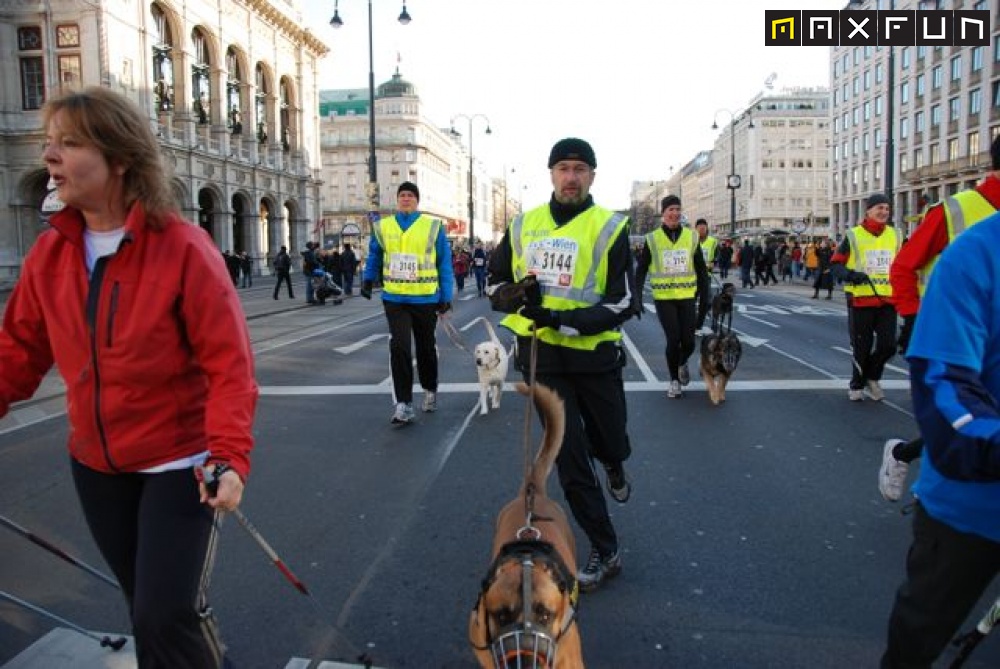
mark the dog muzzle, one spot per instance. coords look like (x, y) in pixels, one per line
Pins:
(523, 647)
(524, 644)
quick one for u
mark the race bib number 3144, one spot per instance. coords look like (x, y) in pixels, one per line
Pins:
(553, 260)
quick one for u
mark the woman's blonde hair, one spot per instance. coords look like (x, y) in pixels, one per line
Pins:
(117, 128)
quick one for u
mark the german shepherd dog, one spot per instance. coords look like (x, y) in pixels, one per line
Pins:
(526, 609)
(720, 351)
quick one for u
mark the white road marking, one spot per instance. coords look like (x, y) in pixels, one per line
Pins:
(358, 345)
(647, 372)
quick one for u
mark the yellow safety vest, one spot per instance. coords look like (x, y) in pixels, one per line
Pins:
(709, 248)
(671, 272)
(571, 264)
(873, 256)
(409, 261)
(961, 211)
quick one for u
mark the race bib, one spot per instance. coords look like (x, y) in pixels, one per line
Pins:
(479, 262)
(877, 261)
(675, 261)
(552, 261)
(403, 266)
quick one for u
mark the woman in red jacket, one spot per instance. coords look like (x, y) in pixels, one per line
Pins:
(135, 308)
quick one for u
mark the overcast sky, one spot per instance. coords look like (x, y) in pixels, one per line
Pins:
(641, 80)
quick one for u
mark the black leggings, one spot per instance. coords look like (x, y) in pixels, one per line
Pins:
(409, 323)
(873, 342)
(159, 541)
(677, 318)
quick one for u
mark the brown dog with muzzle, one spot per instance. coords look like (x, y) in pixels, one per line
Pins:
(525, 615)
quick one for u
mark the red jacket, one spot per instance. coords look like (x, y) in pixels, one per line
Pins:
(153, 348)
(926, 242)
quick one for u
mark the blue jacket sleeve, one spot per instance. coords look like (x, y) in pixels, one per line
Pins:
(959, 420)
(373, 263)
(446, 273)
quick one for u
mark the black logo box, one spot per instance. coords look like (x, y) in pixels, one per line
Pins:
(877, 28)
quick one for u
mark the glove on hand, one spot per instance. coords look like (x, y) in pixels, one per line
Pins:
(510, 297)
(544, 318)
(904, 335)
(856, 277)
(443, 307)
(366, 290)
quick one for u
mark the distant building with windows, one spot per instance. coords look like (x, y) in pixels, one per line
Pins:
(229, 88)
(946, 112)
(408, 147)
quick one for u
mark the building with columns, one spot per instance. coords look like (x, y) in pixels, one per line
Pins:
(409, 147)
(229, 86)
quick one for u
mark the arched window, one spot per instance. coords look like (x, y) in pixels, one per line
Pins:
(233, 82)
(286, 119)
(163, 63)
(201, 88)
(261, 103)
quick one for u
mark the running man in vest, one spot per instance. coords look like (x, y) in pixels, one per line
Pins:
(709, 249)
(410, 252)
(563, 270)
(862, 261)
(954, 361)
(909, 274)
(672, 259)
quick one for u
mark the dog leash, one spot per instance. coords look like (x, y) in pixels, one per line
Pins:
(453, 334)
(529, 489)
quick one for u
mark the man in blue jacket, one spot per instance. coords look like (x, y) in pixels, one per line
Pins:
(411, 254)
(954, 357)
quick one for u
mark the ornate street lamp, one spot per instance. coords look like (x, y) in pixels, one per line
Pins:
(373, 190)
(733, 180)
(472, 207)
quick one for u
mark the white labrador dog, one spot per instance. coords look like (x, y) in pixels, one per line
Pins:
(491, 366)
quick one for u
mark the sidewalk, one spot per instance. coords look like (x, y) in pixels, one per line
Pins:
(258, 302)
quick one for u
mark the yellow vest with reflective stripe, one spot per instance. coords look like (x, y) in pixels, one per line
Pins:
(961, 211)
(671, 272)
(709, 248)
(862, 242)
(409, 260)
(571, 262)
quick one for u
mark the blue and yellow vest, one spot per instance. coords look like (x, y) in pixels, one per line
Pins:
(961, 211)
(671, 271)
(873, 256)
(571, 264)
(409, 265)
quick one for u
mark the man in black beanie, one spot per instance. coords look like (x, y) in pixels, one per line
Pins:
(671, 256)
(862, 262)
(417, 282)
(542, 276)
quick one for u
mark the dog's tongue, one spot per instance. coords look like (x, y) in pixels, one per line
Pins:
(522, 659)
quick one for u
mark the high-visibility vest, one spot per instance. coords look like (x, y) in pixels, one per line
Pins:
(709, 247)
(671, 273)
(961, 211)
(409, 263)
(571, 264)
(873, 256)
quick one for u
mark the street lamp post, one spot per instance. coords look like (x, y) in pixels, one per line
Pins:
(472, 206)
(733, 180)
(373, 189)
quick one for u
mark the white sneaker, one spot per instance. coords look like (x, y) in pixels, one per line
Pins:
(856, 395)
(403, 413)
(892, 473)
(674, 389)
(430, 401)
(875, 391)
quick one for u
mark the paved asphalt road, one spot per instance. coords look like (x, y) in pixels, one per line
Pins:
(755, 538)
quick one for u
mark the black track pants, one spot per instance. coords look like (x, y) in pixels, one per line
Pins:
(873, 342)
(677, 318)
(159, 541)
(411, 324)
